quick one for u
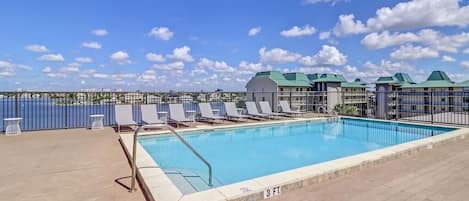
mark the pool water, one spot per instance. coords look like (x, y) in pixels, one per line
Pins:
(244, 153)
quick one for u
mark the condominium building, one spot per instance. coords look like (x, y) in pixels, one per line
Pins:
(399, 96)
(273, 86)
(438, 94)
(387, 89)
(312, 92)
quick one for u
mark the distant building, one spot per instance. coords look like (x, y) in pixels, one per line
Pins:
(133, 98)
(186, 99)
(153, 99)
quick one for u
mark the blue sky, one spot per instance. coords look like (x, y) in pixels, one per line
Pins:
(205, 45)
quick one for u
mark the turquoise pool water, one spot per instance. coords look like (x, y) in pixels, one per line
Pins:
(248, 152)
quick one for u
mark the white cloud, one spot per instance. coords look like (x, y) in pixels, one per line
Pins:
(410, 52)
(465, 64)
(324, 35)
(466, 51)
(162, 33)
(432, 38)
(47, 69)
(348, 25)
(155, 57)
(447, 58)
(121, 57)
(408, 15)
(71, 68)
(99, 32)
(51, 57)
(147, 76)
(170, 67)
(84, 59)
(277, 55)
(181, 54)
(36, 48)
(216, 66)
(254, 31)
(327, 56)
(298, 31)
(251, 68)
(386, 39)
(332, 2)
(92, 45)
(372, 71)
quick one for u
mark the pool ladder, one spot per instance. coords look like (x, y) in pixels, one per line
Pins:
(173, 131)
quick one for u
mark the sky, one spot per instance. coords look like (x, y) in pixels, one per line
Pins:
(152, 45)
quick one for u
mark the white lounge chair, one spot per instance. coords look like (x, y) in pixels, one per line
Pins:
(177, 114)
(124, 117)
(206, 112)
(150, 115)
(286, 108)
(266, 109)
(252, 110)
(232, 112)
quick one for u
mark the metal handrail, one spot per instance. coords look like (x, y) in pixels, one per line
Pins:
(170, 128)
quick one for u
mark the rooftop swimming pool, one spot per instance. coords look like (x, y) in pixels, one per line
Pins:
(243, 153)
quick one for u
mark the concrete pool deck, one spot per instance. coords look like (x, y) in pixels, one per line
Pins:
(79, 164)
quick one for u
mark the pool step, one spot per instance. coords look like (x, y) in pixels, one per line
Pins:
(187, 181)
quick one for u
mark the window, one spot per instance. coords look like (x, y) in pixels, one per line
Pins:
(281, 89)
(297, 89)
(414, 107)
(443, 99)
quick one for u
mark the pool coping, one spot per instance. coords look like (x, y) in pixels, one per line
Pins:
(155, 182)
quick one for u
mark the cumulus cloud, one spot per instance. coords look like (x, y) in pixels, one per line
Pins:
(248, 68)
(447, 58)
(277, 55)
(162, 33)
(298, 31)
(84, 59)
(408, 15)
(181, 54)
(327, 56)
(466, 51)
(121, 57)
(254, 31)
(324, 35)
(155, 57)
(36, 48)
(51, 57)
(410, 52)
(92, 45)
(216, 66)
(99, 32)
(429, 37)
(175, 66)
(372, 70)
(7, 69)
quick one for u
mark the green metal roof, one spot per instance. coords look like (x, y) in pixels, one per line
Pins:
(387, 80)
(294, 79)
(402, 79)
(435, 80)
(463, 84)
(328, 78)
(357, 83)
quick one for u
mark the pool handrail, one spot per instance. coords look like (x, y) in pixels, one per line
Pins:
(170, 128)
